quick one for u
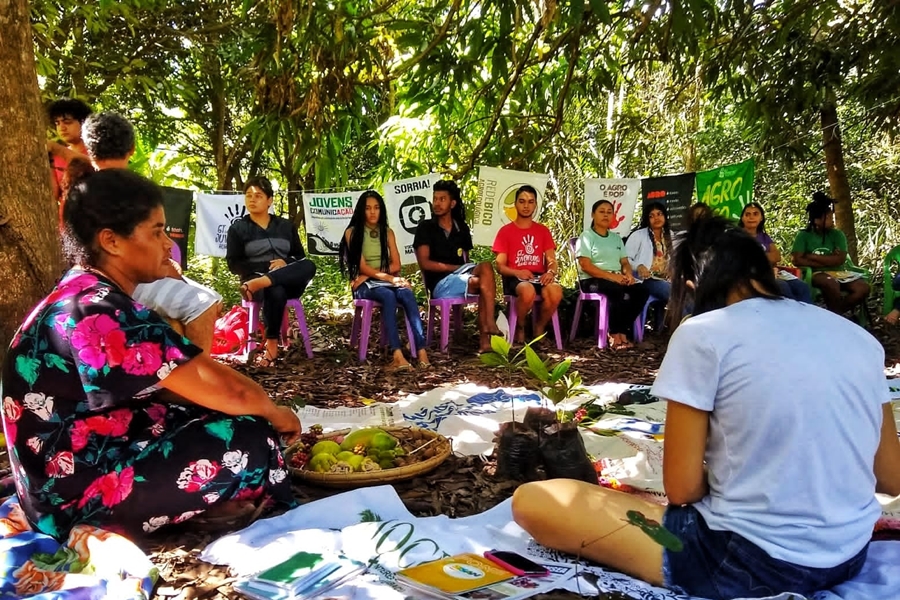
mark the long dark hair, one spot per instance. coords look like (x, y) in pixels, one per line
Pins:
(115, 199)
(717, 257)
(350, 254)
(761, 228)
(818, 208)
(645, 222)
(458, 212)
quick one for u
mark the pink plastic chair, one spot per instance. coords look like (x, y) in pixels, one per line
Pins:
(253, 309)
(451, 310)
(513, 318)
(362, 327)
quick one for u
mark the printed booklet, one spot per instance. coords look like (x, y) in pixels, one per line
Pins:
(303, 576)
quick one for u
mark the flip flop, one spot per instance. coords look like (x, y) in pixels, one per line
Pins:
(424, 365)
(400, 368)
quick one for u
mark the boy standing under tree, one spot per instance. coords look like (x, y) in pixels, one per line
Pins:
(440, 244)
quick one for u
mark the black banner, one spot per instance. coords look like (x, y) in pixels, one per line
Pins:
(676, 192)
(178, 204)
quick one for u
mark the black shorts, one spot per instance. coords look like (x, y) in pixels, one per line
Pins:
(510, 283)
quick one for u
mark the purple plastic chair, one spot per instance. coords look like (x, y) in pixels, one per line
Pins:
(253, 309)
(514, 317)
(451, 310)
(362, 327)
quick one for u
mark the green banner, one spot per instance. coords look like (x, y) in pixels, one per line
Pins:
(726, 190)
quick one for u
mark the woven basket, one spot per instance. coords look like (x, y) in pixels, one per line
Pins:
(359, 479)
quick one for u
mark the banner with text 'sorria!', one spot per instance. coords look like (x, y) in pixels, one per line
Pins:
(495, 205)
(622, 193)
(408, 203)
(327, 217)
(727, 190)
(215, 214)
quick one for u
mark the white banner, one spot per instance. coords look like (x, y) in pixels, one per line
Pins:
(495, 204)
(408, 203)
(215, 214)
(327, 217)
(623, 193)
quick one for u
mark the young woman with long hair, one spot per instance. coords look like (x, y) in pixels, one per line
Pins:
(753, 220)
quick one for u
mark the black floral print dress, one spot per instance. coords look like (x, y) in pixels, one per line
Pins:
(89, 442)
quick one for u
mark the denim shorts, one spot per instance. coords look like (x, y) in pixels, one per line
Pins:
(722, 564)
(455, 284)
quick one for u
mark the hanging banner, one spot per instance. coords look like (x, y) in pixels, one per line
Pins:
(623, 193)
(327, 217)
(408, 203)
(495, 204)
(178, 204)
(675, 192)
(215, 214)
(728, 189)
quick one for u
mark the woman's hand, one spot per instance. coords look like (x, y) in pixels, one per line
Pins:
(616, 278)
(276, 264)
(287, 423)
(357, 282)
(627, 278)
(643, 272)
(401, 282)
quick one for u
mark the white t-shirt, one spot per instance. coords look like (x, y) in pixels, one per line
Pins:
(795, 394)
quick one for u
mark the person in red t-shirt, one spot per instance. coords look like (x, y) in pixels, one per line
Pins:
(67, 115)
(526, 260)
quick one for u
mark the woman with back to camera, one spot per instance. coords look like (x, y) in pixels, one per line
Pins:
(93, 438)
(753, 220)
(369, 256)
(752, 523)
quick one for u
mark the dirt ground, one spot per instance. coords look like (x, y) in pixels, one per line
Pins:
(460, 487)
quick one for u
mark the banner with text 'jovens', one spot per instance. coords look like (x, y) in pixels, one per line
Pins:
(495, 204)
(327, 217)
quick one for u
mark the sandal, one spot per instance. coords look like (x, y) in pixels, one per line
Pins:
(246, 294)
(399, 368)
(266, 361)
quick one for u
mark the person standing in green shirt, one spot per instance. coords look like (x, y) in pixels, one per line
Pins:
(823, 249)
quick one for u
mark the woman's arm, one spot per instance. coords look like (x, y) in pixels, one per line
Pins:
(235, 257)
(887, 457)
(594, 271)
(210, 384)
(773, 254)
(684, 449)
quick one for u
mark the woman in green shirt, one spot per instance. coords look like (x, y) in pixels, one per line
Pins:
(823, 249)
(603, 268)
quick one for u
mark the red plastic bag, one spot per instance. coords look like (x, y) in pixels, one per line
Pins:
(230, 333)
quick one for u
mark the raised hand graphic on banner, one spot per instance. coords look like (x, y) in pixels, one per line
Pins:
(616, 218)
(235, 212)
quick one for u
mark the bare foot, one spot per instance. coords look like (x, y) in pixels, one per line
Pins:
(520, 335)
(484, 344)
(619, 341)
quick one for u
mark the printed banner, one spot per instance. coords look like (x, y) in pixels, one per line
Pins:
(408, 203)
(495, 205)
(178, 204)
(215, 214)
(623, 193)
(327, 217)
(675, 191)
(728, 189)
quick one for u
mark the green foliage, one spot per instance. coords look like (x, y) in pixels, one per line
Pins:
(555, 381)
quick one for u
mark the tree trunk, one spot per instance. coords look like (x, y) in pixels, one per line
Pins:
(29, 247)
(837, 174)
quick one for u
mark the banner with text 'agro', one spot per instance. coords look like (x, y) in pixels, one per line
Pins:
(623, 193)
(215, 214)
(327, 217)
(495, 204)
(728, 189)
(674, 192)
(408, 203)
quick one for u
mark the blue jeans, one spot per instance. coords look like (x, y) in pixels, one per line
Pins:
(795, 289)
(724, 565)
(389, 297)
(658, 288)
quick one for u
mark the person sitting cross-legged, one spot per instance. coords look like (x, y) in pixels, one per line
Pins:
(750, 474)
(440, 244)
(526, 260)
(264, 250)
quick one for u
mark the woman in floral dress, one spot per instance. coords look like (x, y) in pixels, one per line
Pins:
(111, 417)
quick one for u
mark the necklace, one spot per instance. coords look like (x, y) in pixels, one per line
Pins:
(373, 233)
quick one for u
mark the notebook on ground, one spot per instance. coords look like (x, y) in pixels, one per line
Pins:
(454, 575)
(303, 575)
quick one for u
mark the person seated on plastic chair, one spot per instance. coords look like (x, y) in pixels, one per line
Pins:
(526, 260)
(189, 307)
(648, 250)
(264, 250)
(603, 268)
(370, 259)
(753, 220)
(823, 248)
(441, 244)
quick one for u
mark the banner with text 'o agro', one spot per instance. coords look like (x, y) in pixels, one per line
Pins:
(623, 193)
(215, 214)
(408, 203)
(727, 190)
(327, 217)
(495, 204)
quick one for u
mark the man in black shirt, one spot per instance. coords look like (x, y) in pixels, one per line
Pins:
(442, 244)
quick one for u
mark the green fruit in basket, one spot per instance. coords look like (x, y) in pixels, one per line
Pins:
(386, 454)
(344, 455)
(360, 437)
(399, 451)
(383, 441)
(386, 463)
(326, 447)
(341, 467)
(369, 465)
(355, 461)
(321, 463)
